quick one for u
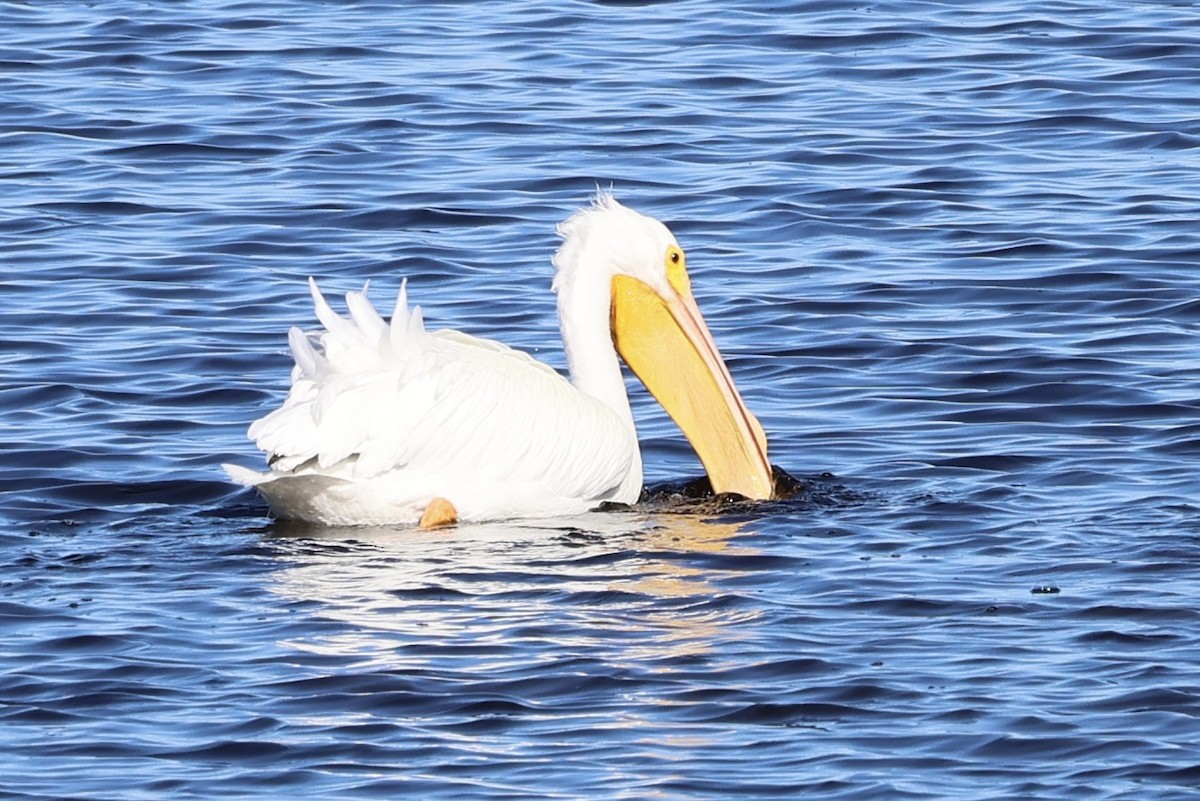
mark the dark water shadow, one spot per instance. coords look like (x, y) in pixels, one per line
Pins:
(792, 494)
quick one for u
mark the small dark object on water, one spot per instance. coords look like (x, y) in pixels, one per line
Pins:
(1045, 589)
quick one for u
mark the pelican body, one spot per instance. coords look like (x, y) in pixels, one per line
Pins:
(386, 419)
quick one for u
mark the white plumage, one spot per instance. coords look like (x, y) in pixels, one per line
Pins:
(382, 417)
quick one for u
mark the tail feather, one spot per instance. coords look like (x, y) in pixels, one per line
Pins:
(244, 475)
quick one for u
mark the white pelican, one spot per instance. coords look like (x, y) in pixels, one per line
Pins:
(387, 423)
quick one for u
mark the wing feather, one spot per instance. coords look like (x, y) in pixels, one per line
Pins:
(370, 325)
(308, 361)
(371, 397)
(335, 324)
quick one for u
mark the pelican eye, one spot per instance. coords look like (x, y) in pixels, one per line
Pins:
(677, 270)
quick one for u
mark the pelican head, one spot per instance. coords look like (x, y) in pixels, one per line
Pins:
(626, 272)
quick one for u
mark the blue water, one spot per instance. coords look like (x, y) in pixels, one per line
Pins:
(951, 252)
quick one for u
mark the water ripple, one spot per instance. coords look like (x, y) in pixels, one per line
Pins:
(949, 252)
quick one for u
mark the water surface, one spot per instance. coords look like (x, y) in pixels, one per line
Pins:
(950, 253)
